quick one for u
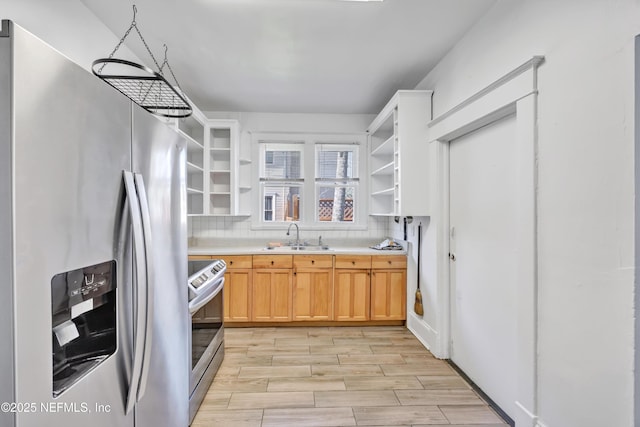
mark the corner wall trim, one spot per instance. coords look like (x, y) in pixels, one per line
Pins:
(532, 63)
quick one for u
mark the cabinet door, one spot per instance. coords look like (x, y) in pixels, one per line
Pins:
(237, 295)
(352, 295)
(272, 295)
(313, 294)
(388, 294)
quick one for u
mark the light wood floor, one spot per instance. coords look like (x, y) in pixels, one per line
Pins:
(337, 376)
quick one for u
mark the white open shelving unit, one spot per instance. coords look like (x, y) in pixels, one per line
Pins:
(399, 156)
(192, 129)
(220, 137)
(213, 165)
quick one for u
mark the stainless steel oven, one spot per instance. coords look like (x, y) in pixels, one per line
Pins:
(206, 287)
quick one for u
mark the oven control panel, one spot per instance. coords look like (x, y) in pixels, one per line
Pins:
(213, 271)
(206, 283)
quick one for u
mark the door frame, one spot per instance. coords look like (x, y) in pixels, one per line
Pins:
(513, 94)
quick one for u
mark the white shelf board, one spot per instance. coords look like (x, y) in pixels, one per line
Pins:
(193, 168)
(220, 171)
(221, 149)
(384, 149)
(245, 161)
(384, 170)
(385, 192)
(194, 191)
(190, 141)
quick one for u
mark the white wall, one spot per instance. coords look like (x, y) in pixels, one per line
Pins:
(240, 227)
(68, 26)
(585, 195)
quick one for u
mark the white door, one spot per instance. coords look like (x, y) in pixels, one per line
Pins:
(483, 259)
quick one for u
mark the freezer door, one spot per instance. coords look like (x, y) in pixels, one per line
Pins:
(159, 156)
(71, 143)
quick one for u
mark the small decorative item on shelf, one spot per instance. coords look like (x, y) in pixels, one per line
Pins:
(145, 87)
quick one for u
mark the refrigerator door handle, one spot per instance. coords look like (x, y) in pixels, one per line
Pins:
(149, 306)
(138, 288)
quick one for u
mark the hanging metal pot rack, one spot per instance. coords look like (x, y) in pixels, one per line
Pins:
(147, 88)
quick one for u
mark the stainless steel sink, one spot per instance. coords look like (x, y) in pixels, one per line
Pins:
(297, 248)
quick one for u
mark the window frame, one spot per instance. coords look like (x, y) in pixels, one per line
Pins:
(309, 214)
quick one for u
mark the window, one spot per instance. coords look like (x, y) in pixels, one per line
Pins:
(311, 179)
(281, 178)
(336, 182)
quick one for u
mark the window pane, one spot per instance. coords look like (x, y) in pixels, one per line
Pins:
(284, 204)
(268, 208)
(335, 164)
(336, 204)
(283, 164)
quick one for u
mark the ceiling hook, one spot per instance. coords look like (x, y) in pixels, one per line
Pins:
(166, 48)
(135, 11)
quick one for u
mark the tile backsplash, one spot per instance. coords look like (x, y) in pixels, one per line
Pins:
(206, 227)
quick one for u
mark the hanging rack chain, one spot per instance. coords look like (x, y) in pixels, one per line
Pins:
(166, 62)
(126, 34)
(174, 77)
(147, 47)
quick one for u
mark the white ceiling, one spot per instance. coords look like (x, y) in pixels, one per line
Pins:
(302, 56)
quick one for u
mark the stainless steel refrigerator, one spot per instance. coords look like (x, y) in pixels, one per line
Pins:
(94, 320)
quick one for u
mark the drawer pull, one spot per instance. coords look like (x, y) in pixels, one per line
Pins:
(353, 262)
(313, 261)
(389, 262)
(271, 262)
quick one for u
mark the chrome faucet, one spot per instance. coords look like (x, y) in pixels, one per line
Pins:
(297, 234)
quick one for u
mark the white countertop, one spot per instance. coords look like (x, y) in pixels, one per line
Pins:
(254, 247)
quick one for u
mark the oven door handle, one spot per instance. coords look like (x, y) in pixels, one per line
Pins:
(205, 294)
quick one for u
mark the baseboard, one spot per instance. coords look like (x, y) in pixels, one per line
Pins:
(492, 404)
(424, 333)
(525, 418)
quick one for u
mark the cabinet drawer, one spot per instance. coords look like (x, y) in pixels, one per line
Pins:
(386, 261)
(353, 261)
(199, 257)
(273, 261)
(237, 261)
(313, 261)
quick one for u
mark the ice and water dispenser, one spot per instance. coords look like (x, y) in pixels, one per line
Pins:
(83, 314)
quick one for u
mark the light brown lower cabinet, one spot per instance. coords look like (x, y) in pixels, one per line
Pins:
(238, 288)
(272, 295)
(307, 288)
(237, 295)
(272, 288)
(370, 287)
(352, 294)
(389, 294)
(313, 294)
(312, 288)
